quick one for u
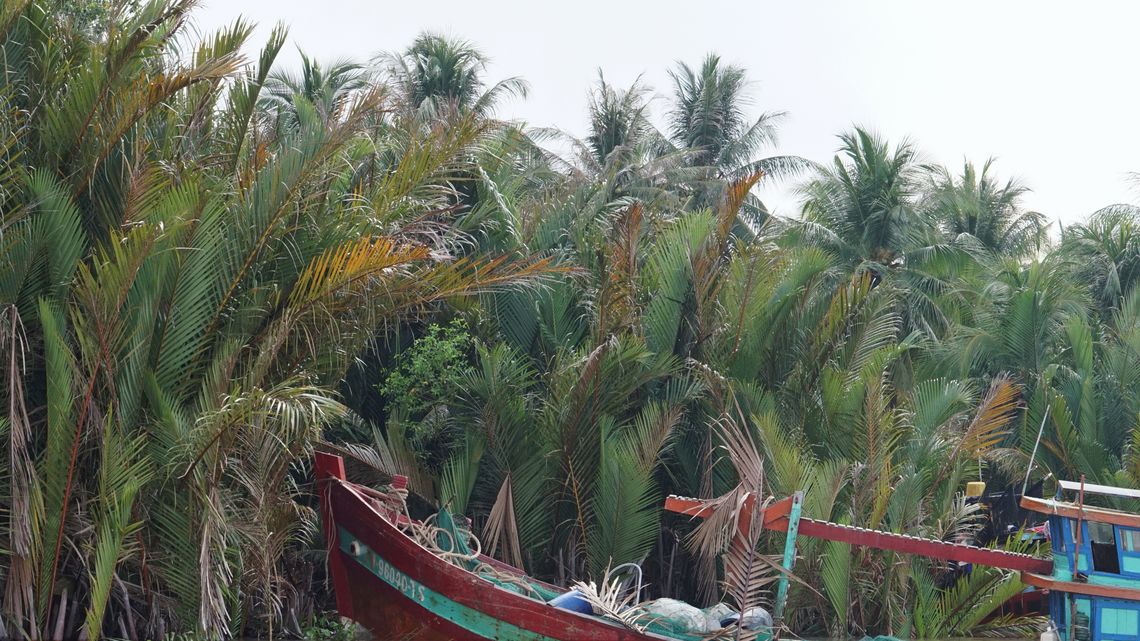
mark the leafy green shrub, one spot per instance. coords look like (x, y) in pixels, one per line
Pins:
(426, 378)
(329, 629)
(431, 371)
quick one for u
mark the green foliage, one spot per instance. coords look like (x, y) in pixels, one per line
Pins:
(186, 274)
(329, 629)
(432, 370)
(204, 262)
(962, 609)
(87, 16)
(422, 387)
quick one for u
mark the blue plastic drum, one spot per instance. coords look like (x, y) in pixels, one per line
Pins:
(573, 601)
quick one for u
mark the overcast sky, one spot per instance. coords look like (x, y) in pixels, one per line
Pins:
(1049, 88)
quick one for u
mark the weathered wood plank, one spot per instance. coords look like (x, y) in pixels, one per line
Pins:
(776, 518)
(1073, 511)
(1072, 587)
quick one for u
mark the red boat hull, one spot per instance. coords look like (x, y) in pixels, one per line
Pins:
(388, 614)
(396, 588)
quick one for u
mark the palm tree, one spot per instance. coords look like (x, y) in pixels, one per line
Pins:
(977, 205)
(438, 73)
(867, 210)
(326, 88)
(619, 123)
(865, 206)
(707, 121)
(623, 155)
(186, 308)
(1105, 253)
(707, 117)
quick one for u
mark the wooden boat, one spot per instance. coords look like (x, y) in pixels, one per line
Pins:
(389, 583)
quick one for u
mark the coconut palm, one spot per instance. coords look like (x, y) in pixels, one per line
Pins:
(622, 155)
(1105, 253)
(707, 121)
(437, 73)
(619, 120)
(865, 206)
(867, 210)
(977, 205)
(327, 88)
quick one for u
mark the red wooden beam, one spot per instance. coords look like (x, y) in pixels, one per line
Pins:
(696, 508)
(776, 518)
(931, 548)
(699, 508)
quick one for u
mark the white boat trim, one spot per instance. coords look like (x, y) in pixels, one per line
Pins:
(1107, 490)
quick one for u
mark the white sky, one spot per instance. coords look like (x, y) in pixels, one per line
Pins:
(1049, 88)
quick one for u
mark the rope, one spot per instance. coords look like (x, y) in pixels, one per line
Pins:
(428, 535)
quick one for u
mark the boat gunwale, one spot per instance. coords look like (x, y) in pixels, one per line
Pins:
(1099, 590)
(370, 493)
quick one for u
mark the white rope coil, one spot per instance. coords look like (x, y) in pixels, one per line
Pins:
(428, 535)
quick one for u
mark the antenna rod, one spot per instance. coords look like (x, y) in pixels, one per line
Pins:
(1033, 457)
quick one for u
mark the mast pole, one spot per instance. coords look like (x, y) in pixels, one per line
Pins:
(1032, 457)
(1077, 559)
(789, 556)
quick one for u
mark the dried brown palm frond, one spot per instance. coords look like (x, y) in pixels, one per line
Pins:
(988, 427)
(733, 528)
(612, 601)
(19, 600)
(743, 452)
(713, 536)
(748, 574)
(268, 517)
(502, 527)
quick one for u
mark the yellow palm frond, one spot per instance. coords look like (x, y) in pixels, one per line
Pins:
(351, 262)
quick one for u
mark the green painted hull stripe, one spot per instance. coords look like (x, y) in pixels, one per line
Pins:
(460, 615)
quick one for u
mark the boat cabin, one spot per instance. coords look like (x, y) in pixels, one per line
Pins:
(1094, 588)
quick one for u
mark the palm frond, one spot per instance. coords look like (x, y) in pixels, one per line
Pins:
(502, 527)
